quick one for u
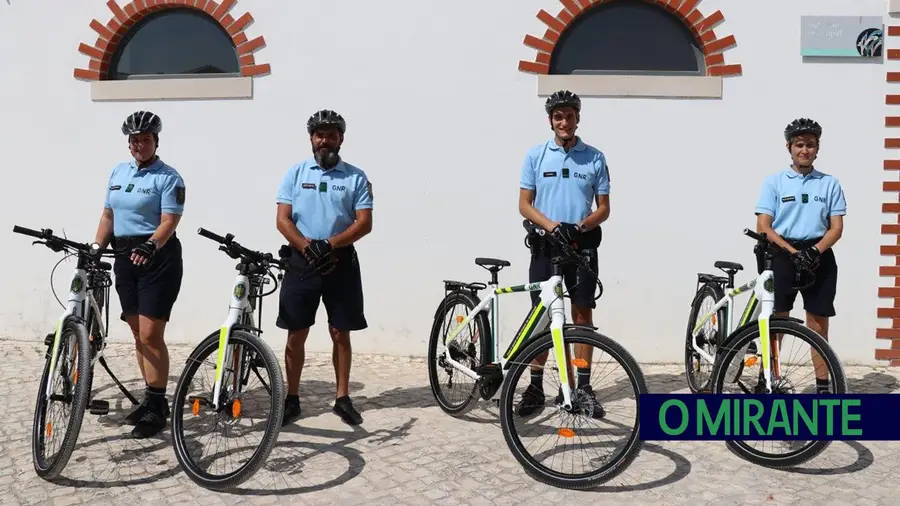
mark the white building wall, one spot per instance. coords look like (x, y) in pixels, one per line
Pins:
(440, 119)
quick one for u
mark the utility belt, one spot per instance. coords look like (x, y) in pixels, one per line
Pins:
(127, 242)
(541, 245)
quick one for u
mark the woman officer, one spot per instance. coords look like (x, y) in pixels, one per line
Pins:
(144, 203)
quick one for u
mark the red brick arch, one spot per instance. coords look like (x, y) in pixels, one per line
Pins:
(701, 26)
(125, 18)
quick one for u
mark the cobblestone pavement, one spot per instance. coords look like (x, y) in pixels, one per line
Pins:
(408, 451)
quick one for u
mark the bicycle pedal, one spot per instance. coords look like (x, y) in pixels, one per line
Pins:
(99, 407)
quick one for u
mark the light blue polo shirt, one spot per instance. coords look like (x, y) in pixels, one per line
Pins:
(801, 205)
(565, 184)
(324, 202)
(139, 197)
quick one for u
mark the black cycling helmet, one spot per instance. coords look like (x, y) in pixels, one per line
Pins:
(562, 98)
(802, 126)
(142, 122)
(326, 117)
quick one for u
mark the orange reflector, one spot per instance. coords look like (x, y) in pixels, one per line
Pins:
(713, 319)
(49, 429)
(236, 408)
(566, 433)
(580, 362)
(195, 407)
(460, 318)
(750, 362)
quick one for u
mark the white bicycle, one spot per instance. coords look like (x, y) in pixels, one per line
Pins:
(751, 345)
(226, 399)
(467, 348)
(76, 345)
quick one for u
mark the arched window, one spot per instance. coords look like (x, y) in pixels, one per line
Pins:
(627, 37)
(175, 42)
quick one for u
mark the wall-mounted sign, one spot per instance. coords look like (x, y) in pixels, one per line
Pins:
(851, 36)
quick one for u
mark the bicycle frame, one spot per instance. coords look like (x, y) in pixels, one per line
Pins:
(240, 312)
(76, 307)
(763, 295)
(550, 297)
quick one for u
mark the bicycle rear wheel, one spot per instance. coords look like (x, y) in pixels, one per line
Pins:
(698, 370)
(471, 348)
(248, 357)
(581, 420)
(724, 377)
(70, 393)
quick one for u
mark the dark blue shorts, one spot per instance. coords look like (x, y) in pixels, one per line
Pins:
(818, 298)
(340, 290)
(151, 289)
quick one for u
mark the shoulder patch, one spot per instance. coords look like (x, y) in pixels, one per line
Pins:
(180, 195)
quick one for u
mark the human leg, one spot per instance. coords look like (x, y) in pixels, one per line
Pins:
(533, 397)
(818, 301)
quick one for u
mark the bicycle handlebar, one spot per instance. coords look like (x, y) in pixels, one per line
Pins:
(764, 241)
(57, 243)
(235, 250)
(567, 250)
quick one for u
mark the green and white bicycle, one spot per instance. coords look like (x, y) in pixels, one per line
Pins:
(730, 353)
(466, 348)
(235, 355)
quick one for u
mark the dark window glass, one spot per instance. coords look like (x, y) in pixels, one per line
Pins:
(626, 36)
(175, 41)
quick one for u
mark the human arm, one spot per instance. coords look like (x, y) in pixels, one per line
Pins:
(764, 226)
(363, 224)
(837, 208)
(527, 192)
(104, 228)
(284, 222)
(766, 206)
(171, 208)
(601, 191)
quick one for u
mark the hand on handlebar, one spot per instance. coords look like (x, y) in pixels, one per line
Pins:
(568, 233)
(807, 258)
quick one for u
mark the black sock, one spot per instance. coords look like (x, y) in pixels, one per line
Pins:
(537, 379)
(822, 386)
(584, 376)
(156, 397)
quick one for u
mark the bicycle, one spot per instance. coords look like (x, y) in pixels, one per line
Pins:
(73, 349)
(532, 339)
(238, 338)
(751, 339)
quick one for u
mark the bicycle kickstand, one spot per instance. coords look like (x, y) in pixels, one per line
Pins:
(118, 383)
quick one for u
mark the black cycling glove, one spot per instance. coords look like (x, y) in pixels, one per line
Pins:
(145, 249)
(568, 233)
(807, 258)
(317, 251)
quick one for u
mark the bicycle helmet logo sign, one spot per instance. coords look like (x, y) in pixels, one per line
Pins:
(870, 42)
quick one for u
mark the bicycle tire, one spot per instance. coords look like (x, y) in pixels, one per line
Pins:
(482, 327)
(206, 347)
(835, 369)
(81, 394)
(716, 293)
(632, 449)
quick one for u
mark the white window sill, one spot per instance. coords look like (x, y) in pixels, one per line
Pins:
(632, 86)
(203, 88)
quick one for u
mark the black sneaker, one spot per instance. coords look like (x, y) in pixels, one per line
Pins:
(136, 414)
(532, 401)
(343, 407)
(595, 409)
(151, 423)
(291, 412)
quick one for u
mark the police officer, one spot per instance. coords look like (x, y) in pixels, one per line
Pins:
(324, 207)
(144, 203)
(562, 178)
(802, 210)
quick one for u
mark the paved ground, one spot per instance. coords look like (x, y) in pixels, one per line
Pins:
(409, 452)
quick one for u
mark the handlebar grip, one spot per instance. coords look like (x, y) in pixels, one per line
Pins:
(754, 235)
(210, 235)
(27, 231)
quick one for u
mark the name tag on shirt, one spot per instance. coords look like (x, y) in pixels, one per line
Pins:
(116, 187)
(550, 174)
(788, 199)
(309, 186)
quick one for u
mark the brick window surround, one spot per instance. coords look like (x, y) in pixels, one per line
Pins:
(657, 86)
(124, 18)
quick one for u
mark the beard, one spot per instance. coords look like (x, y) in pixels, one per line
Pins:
(327, 157)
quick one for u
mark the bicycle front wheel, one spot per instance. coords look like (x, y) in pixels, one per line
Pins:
(242, 409)
(57, 420)
(739, 370)
(597, 411)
